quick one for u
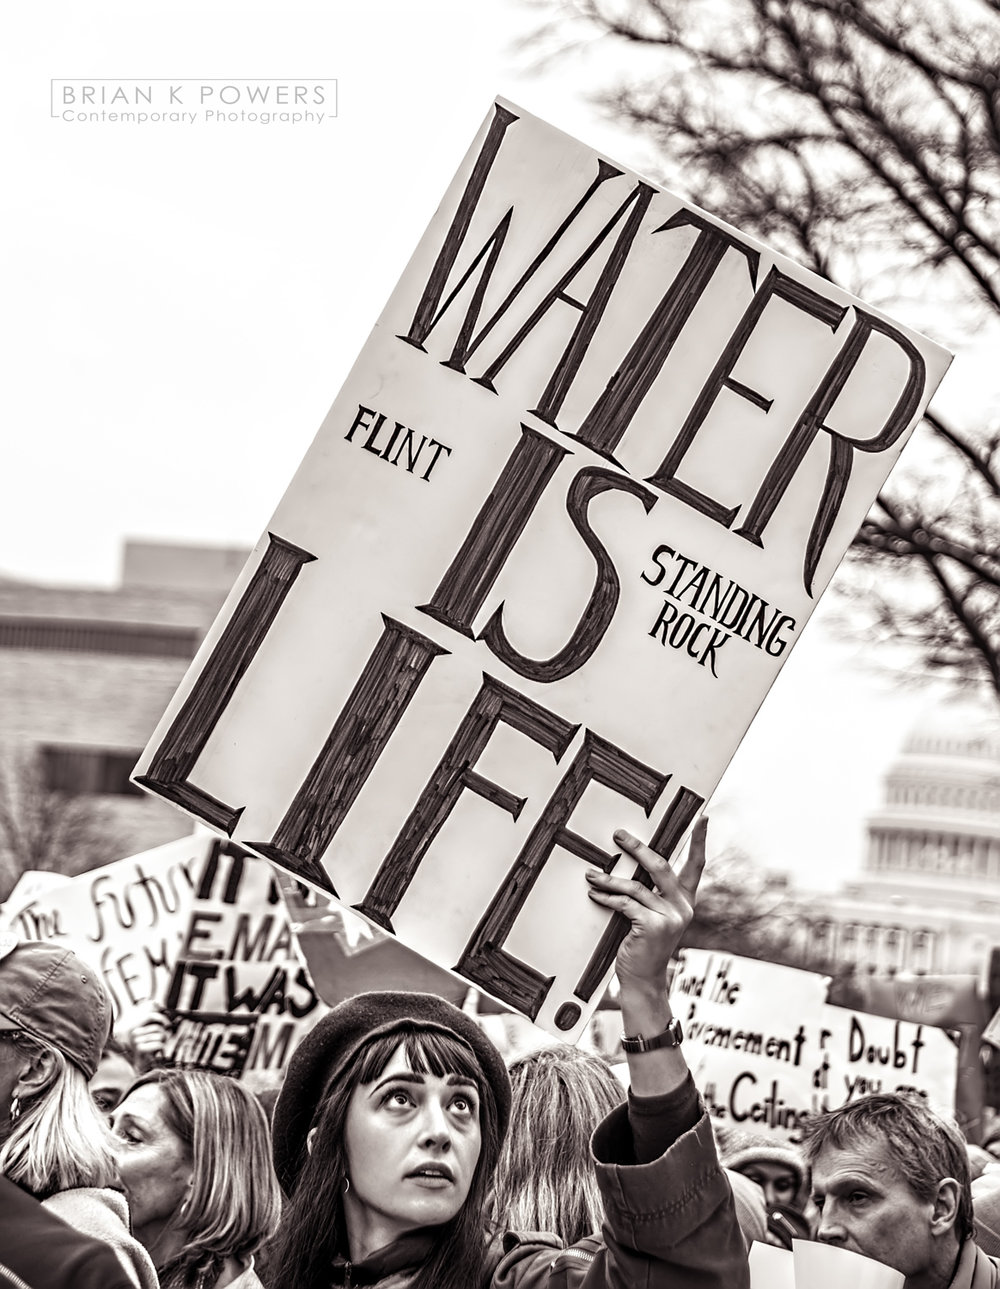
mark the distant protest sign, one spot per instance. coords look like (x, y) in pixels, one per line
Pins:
(557, 535)
(239, 995)
(126, 919)
(197, 928)
(767, 1051)
(952, 1002)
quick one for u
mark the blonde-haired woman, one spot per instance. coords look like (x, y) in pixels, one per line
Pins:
(194, 1156)
(545, 1179)
(55, 1017)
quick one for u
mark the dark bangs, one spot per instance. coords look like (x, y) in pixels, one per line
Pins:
(428, 1051)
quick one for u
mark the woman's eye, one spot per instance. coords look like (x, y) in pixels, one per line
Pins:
(464, 1105)
(397, 1097)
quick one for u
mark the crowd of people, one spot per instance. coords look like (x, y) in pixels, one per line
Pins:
(401, 1151)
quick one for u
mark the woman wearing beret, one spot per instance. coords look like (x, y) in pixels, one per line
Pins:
(389, 1125)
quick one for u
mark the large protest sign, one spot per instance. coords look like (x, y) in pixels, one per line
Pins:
(126, 919)
(768, 1067)
(571, 509)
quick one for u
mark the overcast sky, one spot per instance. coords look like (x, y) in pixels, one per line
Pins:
(183, 299)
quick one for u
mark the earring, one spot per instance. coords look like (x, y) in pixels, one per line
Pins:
(15, 1108)
(347, 1184)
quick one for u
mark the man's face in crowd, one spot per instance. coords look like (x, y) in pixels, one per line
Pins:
(868, 1207)
(114, 1074)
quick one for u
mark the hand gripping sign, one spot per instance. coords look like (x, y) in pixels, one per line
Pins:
(544, 558)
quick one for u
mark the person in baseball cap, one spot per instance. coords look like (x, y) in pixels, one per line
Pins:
(55, 1017)
(49, 994)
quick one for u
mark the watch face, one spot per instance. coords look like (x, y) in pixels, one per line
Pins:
(672, 1035)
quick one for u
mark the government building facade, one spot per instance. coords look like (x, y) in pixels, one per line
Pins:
(928, 898)
(85, 675)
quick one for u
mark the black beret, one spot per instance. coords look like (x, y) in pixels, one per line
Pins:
(338, 1036)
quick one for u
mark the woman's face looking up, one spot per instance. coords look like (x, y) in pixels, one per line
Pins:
(412, 1143)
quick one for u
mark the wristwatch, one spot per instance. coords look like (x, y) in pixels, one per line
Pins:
(672, 1036)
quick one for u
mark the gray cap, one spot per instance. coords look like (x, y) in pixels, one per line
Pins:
(51, 994)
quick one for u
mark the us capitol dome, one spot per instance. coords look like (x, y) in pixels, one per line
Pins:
(928, 896)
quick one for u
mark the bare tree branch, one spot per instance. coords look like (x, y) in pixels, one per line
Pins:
(47, 830)
(863, 140)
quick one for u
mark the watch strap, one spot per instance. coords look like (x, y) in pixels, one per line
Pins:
(672, 1036)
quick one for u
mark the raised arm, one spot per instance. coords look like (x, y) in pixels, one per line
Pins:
(670, 1214)
(659, 918)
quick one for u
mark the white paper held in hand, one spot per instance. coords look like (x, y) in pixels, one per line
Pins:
(824, 1266)
(771, 1267)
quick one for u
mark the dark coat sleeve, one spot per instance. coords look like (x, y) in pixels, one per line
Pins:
(670, 1223)
(47, 1253)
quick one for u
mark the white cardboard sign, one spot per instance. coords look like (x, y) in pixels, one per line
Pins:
(126, 919)
(195, 927)
(240, 996)
(767, 1051)
(810, 1265)
(572, 507)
